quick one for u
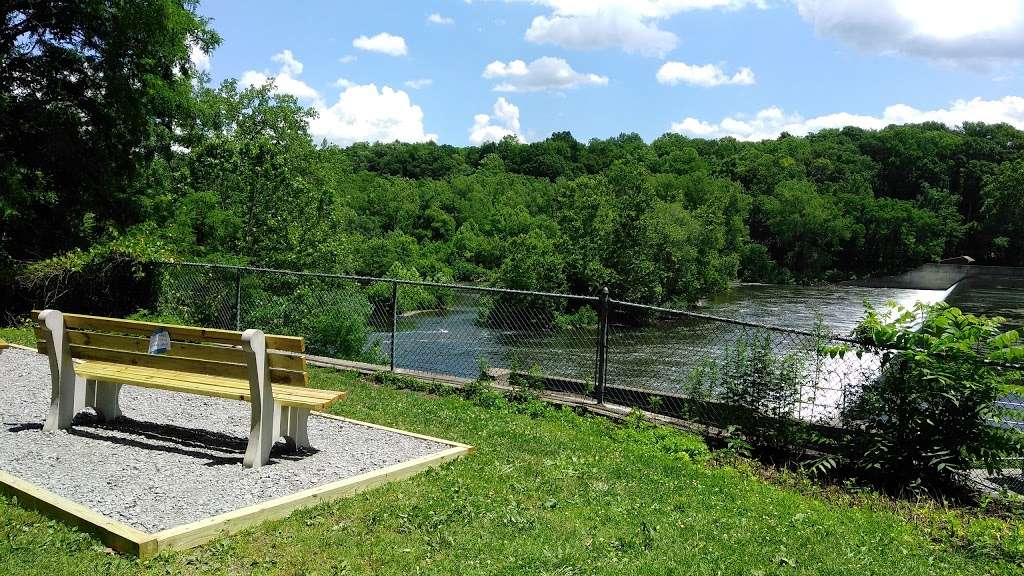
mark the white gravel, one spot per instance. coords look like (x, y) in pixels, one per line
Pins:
(174, 458)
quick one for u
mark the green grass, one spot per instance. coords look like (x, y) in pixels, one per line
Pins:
(547, 492)
(21, 336)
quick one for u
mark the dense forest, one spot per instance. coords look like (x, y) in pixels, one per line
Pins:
(112, 142)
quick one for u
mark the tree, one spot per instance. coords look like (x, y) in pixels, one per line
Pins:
(1002, 211)
(806, 229)
(92, 93)
(251, 186)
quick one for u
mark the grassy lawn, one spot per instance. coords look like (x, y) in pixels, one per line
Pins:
(548, 492)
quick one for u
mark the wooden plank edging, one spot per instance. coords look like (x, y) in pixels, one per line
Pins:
(118, 536)
(13, 345)
(203, 531)
(129, 540)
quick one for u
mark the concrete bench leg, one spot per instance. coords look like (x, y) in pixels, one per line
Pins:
(104, 397)
(62, 373)
(262, 423)
(292, 425)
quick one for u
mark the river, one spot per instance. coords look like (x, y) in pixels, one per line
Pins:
(661, 356)
(649, 356)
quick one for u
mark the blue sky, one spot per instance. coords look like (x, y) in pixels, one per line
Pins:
(745, 68)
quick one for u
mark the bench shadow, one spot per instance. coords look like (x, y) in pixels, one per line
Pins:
(25, 426)
(217, 448)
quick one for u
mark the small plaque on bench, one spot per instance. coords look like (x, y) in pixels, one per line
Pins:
(159, 341)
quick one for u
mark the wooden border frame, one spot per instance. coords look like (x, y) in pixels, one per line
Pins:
(129, 540)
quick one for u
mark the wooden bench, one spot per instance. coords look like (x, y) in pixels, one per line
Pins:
(111, 353)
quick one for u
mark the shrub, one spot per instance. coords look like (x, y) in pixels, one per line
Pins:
(110, 279)
(756, 388)
(585, 317)
(334, 320)
(933, 411)
(767, 384)
(410, 296)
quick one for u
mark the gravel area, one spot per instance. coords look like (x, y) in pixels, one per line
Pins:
(174, 458)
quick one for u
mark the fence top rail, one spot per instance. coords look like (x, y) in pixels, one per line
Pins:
(375, 279)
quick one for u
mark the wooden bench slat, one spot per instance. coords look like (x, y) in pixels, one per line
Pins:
(200, 378)
(224, 369)
(220, 387)
(139, 344)
(190, 333)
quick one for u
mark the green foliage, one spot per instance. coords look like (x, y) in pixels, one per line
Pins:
(555, 493)
(755, 387)
(82, 280)
(533, 264)
(333, 320)
(410, 296)
(584, 317)
(1003, 211)
(92, 92)
(932, 413)
(807, 228)
(22, 334)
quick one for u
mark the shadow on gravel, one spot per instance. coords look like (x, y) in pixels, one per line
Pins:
(26, 426)
(217, 448)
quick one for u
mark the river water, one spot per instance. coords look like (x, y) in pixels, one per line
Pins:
(662, 356)
(654, 355)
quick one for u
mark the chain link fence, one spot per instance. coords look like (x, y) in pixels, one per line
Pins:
(720, 373)
(461, 331)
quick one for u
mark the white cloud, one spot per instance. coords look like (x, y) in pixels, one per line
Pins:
(982, 33)
(365, 114)
(631, 25)
(544, 73)
(492, 128)
(436, 18)
(384, 43)
(707, 75)
(348, 59)
(199, 58)
(771, 122)
(286, 81)
(362, 113)
(645, 8)
(605, 30)
(288, 63)
(418, 83)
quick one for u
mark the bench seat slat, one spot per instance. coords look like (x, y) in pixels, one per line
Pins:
(217, 386)
(91, 367)
(205, 380)
(189, 333)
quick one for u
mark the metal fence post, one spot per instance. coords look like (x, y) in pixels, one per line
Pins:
(394, 321)
(602, 347)
(238, 298)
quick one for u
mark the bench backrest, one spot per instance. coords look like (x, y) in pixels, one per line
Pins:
(193, 349)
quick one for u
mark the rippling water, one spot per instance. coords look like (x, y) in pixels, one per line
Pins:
(995, 301)
(653, 355)
(840, 307)
(662, 355)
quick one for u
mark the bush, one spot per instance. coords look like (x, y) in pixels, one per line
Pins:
(585, 317)
(755, 389)
(933, 412)
(334, 320)
(410, 296)
(110, 279)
